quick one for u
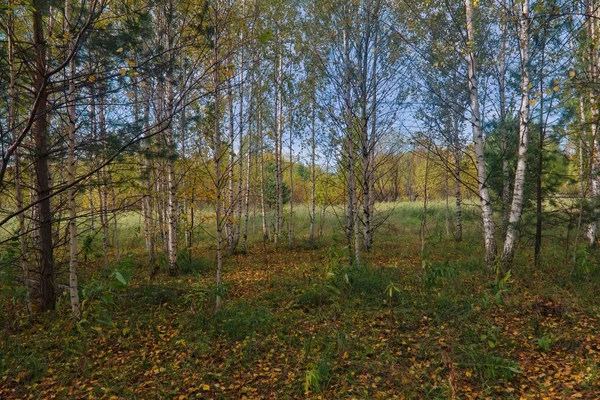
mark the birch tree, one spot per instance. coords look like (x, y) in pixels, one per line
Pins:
(489, 235)
(516, 208)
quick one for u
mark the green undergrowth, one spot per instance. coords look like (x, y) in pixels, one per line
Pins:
(305, 322)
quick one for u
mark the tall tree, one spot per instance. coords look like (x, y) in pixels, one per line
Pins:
(516, 208)
(489, 235)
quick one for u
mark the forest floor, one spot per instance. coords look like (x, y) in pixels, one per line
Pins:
(299, 323)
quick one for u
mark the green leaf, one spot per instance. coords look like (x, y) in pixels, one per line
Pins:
(120, 277)
(516, 369)
(265, 36)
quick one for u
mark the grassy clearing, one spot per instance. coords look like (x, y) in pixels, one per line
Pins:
(300, 323)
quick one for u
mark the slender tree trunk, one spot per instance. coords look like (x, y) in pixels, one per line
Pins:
(365, 160)
(218, 155)
(229, 206)
(371, 178)
(447, 196)
(519, 186)
(103, 192)
(240, 195)
(486, 205)
(457, 172)
(503, 130)
(146, 177)
(73, 293)
(291, 221)
(186, 203)
(370, 140)
(17, 155)
(173, 210)
(312, 169)
(262, 172)
(581, 176)
(93, 180)
(352, 209)
(41, 150)
(279, 147)
(594, 169)
(115, 219)
(325, 201)
(247, 188)
(540, 160)
(425, 196)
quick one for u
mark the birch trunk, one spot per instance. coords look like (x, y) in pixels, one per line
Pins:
(218, 154)
(262, 175)
(115, 219)
(352, 208)
(73, 293)
(425, 195)
(348, 146)
(592, 28)
(145, 176)
(291, 221)
(312, 170)
(247, 188)
(486, 205)
(278, 148)
(503, 132)
(516, 208)
(172, 215)
(240, 196)
(230, 167)
(457, 171)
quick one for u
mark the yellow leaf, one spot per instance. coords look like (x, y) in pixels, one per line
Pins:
(205, 387)
(129, 95)
(556, 88)
(120, 50)
(92, 78)
(532, 102)
(130, 63)
(572, 74)
(123, 71)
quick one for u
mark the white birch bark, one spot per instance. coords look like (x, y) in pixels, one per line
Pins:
(263, 210)
(291, 221)
(218, 154)
(594, 173)
(145, 170)
(486, 205)
(240, 195)
(312, 169)
(73, 293)
(172, 215)
(516, 208)
(229, 228)
(279, 146)
(503, 132)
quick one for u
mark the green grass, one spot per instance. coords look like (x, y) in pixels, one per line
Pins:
(300, 322)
